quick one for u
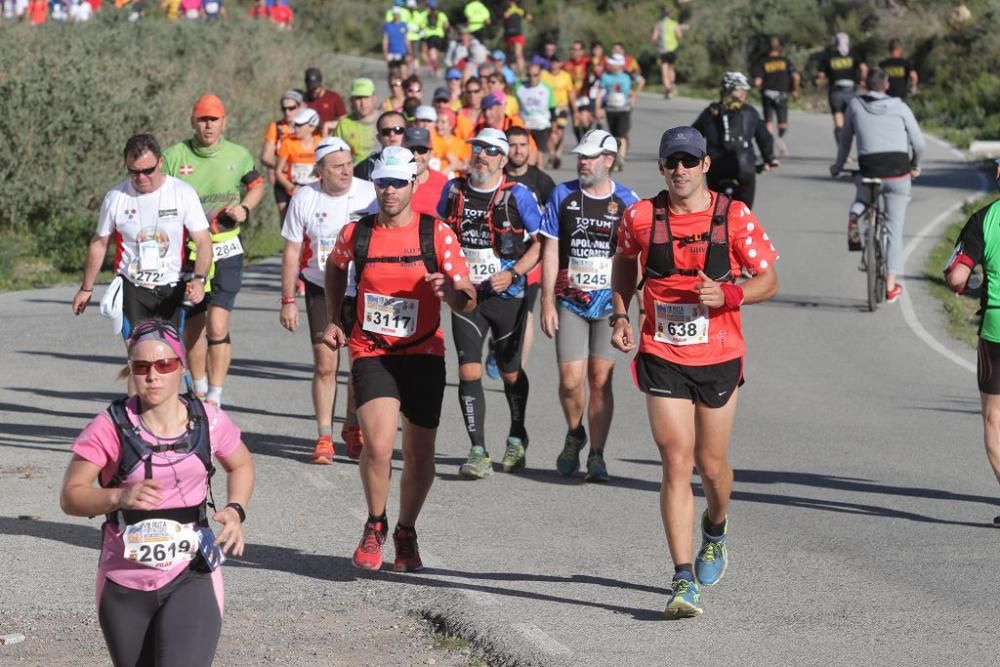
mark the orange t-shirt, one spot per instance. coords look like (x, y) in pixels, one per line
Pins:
(441, 147)
(278, 130)
(300, 159)
(394, 295)
(750, 248)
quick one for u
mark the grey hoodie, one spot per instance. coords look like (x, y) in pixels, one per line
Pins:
(886, 131)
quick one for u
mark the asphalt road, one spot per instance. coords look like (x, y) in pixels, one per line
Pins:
(860, 517)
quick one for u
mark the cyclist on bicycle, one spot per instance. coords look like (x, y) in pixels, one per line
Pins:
(890, 146)
(729, 126)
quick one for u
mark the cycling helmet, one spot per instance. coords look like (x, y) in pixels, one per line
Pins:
(732, 81)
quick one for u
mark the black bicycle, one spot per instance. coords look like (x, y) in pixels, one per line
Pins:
(873, 256)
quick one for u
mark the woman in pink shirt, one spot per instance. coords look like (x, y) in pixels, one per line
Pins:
(145, 463)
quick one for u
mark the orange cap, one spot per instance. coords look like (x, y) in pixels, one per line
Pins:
(208, 105)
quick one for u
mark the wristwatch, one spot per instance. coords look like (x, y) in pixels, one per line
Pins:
(239, 510)
(198, 276)
(514, 275)
(614, 317)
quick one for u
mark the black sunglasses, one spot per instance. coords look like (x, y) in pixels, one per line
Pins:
(419, 150)
(148, 171)
(389, 131)
(292, 108)
(473, 91)
(492, 151)
(689, 161)
(396, 183)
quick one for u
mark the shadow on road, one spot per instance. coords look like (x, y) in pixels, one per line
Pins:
(825, 303)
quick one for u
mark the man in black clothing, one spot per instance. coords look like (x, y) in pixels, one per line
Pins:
(729, 126)
(518, 169)
(776, 78)
(902, 77)
(843, 71)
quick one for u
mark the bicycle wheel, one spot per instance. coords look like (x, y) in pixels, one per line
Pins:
(880, 261)
(871, 267)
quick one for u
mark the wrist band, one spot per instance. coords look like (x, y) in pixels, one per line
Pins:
(246, 210)
(84, 289)
(239, 510)
(285, 300)
(733, 294)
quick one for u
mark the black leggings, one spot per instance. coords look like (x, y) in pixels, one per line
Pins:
(175, 626)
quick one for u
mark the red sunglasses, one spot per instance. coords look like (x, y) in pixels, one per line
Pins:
(162, 366)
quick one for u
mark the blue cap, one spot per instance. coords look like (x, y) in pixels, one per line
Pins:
(509, 76)
(499, 55)
(489, 102)
(452, 74)
(432, 4)
(682, 140)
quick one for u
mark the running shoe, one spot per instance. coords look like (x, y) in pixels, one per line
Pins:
(368, 555)
(323, 452)
(407, 553)
(684, 599)
(597, 471)
(492, 370)
(513, 456)
(355, 441)
(780, 147)
(710, 564)
(477, 466)
(568, 463)
(996, 521)
(853, 235)
(892, 294)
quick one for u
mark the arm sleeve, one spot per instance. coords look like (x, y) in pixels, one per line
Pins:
(765, 142)
(971, 242)
(915, 136)
(343, 250)
(451, 259)
(527, 206)
(748, 241)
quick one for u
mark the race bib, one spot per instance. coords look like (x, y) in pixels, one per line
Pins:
(192, 14)
(590, 274)
(390, 315)
(302, 173)
(150, 278)
(483, 263)
(229, 248)
(160, 543)
(211, 8)
(323, 251)
(681, 323)
(149, 255)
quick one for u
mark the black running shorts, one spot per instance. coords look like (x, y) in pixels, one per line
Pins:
(316, 311)
(712, 385)
(504, 318)
(839, 99)
(988, 368)
(158, 303)
(415, 380)
(775, 106)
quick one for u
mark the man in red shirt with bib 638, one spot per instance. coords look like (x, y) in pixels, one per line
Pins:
(691, 244)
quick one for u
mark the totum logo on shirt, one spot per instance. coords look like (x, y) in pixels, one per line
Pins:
(185, 170)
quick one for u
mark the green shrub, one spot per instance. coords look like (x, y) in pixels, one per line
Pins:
(63, 241)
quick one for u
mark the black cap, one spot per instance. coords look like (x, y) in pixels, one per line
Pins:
(682, 140)
(441, 94)
(313, 77)
(416, 137)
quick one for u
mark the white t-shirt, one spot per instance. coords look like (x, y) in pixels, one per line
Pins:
(315, 219)
(149, 229)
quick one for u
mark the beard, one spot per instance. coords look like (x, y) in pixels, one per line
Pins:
(480, 176)
(593, 178)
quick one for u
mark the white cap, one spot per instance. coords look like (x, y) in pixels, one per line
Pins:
(331, 145)
(492, 137)
(596, 142)
(306, 116)
(111, 304)
(424, 112)
(616, 60)
(395, 162)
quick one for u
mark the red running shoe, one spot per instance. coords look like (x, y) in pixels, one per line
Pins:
(892, 294)
(368, 555)
(407, 553)
(355, 441)
(323, 452)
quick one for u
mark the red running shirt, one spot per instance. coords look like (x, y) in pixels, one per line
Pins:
(678, 331)
(403, 283)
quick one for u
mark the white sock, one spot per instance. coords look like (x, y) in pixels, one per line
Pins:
(200, 385)
(214, 394)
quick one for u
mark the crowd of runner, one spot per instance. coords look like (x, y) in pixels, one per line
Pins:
(39, 12)
(390, 208)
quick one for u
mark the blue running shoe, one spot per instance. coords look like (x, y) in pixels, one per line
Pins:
(711, 562)
(492, 370)
(568, 461)
(684, 599)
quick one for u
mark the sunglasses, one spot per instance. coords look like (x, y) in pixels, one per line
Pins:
(473, 91)
(419, 150)
(389, 131)
(492, 151)
(292, 108)
(397, 183)
(148, 171)
(162, 366)
(689, 162)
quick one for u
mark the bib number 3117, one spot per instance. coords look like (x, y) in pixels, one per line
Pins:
(390, 315)
(681, 323)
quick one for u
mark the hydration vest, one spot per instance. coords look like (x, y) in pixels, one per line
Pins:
(363, 229)
(660, 257)
(507, 240)
(136, 451)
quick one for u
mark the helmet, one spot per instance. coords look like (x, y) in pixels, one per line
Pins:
(732, 81)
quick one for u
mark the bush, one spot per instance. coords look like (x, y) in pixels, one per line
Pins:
(66, 112)
(63, 241)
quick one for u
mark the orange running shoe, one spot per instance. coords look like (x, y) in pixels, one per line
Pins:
(407, 553)
(368, 555)
(355, 441)
(323, 453)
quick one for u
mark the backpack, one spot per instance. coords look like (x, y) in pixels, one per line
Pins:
(734, 136)
(508, 238)
(135, 451)
(660, 256)
(363, 229)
